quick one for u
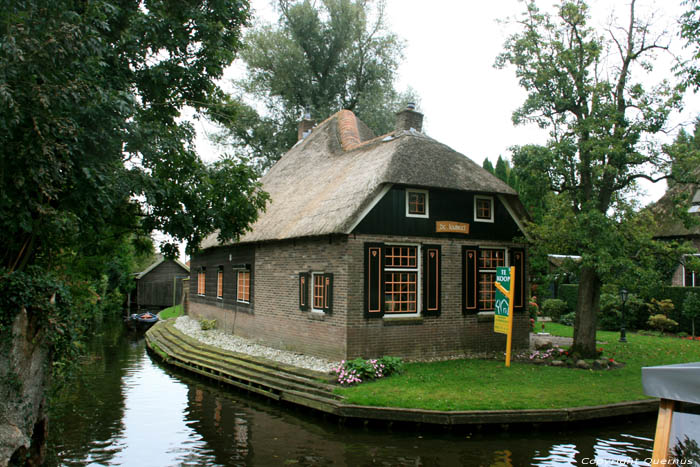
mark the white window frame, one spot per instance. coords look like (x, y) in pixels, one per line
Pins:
(314, 274)
(427, 202)
(696, 278)
(238, 272)
(493, 207)
(419, 281)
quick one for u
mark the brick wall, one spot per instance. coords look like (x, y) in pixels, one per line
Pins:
(451, 333)
(274, 317)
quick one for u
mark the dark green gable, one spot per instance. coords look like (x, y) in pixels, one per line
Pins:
(388, 217)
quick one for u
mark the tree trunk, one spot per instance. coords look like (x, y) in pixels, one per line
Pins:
(586, 313)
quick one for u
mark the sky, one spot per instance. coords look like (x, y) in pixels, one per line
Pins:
(450, 49)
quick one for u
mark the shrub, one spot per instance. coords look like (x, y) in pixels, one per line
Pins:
(207, 324)
(554, 308)
(568, 319)
(662, 322)
(691, 309)
(569, 293)
(359, 370)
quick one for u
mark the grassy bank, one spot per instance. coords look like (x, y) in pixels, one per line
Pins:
(488, 385)
(172, 312)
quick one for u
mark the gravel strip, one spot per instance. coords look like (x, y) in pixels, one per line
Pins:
(222, 340)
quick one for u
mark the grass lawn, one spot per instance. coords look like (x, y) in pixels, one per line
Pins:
(172, 312)
(489, 385)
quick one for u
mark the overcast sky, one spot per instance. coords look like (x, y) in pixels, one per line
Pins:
(450, 48)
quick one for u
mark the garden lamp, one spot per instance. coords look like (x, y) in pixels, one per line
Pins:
(623, 296)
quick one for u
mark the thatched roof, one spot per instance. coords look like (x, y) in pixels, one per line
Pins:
(668, 224)
(324, 183)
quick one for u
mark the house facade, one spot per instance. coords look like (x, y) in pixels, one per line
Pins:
(370, 246)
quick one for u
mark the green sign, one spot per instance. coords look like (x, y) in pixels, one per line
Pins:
(500, 321)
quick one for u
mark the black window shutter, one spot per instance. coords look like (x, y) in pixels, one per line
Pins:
(328, 293)
(373, 279)
(517, 259)
(432, 286)
(470, 279)
(304, 291)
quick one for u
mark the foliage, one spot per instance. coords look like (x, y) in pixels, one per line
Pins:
(93, 142)
(207, 324)
(581, 87)
(471, 384)
(172, 312)
(610, 314)
(359, 370)
(662, 322)
(503, 171)
(569, 293)
(325, 56)
(568, 319)
(691, 308)
(554, 308)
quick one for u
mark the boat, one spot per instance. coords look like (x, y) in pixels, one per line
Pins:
(677, 439)
(142, 321)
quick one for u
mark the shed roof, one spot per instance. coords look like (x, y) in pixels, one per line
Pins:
(324, 184)
(157, 263)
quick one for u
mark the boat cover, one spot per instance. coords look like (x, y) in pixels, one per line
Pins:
(679, 382)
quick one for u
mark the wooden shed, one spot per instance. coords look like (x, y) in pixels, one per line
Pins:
(159, 285)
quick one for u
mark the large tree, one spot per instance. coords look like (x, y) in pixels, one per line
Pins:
(327, 56)
(586, 88)
(94, 148)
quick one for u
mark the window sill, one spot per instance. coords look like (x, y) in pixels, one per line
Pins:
(484, 316)
(317, 315)
(401, 320)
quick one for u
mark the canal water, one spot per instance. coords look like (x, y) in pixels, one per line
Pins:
(124, 408)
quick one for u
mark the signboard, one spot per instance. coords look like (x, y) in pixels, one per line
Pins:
(503, 307)
(500, 318)
(451, 227)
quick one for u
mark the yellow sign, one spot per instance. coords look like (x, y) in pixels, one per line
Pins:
(451, 227)
(503, 308)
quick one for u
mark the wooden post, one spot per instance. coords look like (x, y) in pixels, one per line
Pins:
(663, 432)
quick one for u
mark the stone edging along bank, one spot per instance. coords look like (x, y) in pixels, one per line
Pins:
(315, 390)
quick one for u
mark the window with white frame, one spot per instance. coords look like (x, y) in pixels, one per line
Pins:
(417, 202)
(483, 208)
(691, 273)
(401, 279)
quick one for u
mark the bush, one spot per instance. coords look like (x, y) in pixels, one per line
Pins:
(569, 293)
(554, 308)
(207, 324)
(359, 370)
(662, 322)
(568, 319)
(691, 309)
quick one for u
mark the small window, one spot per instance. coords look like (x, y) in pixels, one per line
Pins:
(201, 281)
(220, 283)
(483, 208)
(488, 261)
(417, 203)
(401, 279)
(691, 275)
(318, 294)
(243, 289)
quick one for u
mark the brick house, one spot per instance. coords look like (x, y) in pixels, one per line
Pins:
(369, 246)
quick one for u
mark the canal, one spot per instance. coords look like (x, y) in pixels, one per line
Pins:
(124, 408)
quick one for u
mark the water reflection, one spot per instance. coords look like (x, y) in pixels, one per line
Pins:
(127, 410)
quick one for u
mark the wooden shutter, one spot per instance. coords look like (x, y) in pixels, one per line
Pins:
(470, 279)
(432, 286)
(328, 293)
(304, 291)
(374, 280)
(517, 259)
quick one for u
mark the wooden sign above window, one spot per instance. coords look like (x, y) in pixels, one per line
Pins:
(451, 227)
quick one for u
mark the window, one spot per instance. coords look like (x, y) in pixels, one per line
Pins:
(220, 283)
(321, 292)
(400, 279)
(319, 296)
(243, 287)
(201, 281)
(483, 208)
(489, 260)
(416, 203)
(691, 273)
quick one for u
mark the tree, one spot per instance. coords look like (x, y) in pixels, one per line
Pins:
(501, 170)
(95, 154)
(581, 86)
(488, 165)
(325, 56)
(691, 308)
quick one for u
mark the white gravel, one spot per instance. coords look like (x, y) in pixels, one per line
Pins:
(220, 339)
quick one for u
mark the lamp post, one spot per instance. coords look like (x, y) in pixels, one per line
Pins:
(623, 334)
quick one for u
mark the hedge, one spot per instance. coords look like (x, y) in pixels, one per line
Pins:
(569, 293)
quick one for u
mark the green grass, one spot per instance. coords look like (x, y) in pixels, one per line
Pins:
(172, 312)
(489, 385)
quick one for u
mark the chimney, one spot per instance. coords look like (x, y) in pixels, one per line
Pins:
(409, 119)
(306, 125)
